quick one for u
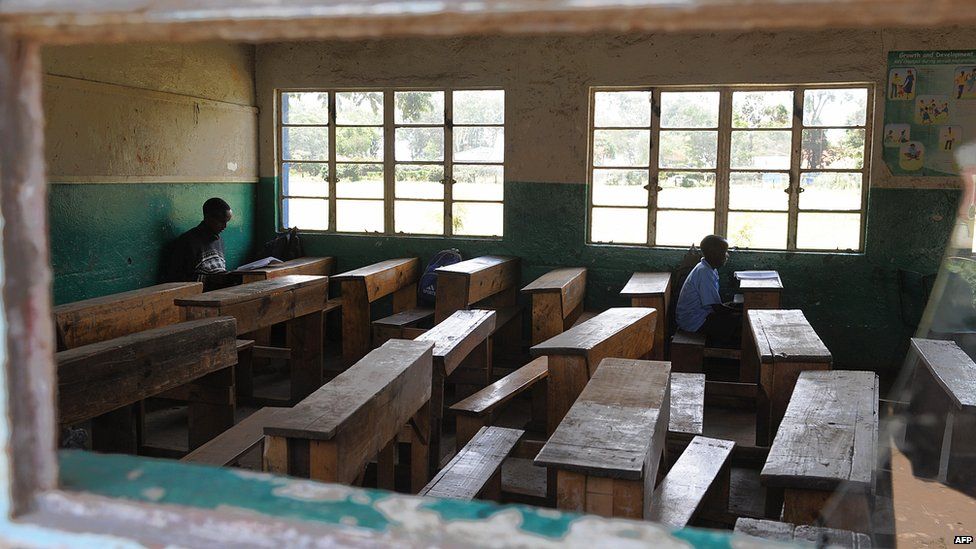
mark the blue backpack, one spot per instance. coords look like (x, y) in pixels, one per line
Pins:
(427, 288)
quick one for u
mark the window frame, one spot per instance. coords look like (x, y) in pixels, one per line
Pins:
(723, 169)
(389, 162)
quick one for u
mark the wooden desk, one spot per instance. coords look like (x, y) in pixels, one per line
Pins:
(607, 449)
(488, 278)
(574, 355)
(557, 301)
(822, 463)
(332, 434)
(111, 316)
(652, 290)
(363, 286)
(939, 437)
(318, 266)
(106, 376)
(784, 345)
(761, 294)
(297, 300)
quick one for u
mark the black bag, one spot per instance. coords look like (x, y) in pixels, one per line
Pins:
(285, 246)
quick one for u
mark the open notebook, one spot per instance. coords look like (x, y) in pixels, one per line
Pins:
(260, 264)
(756, 275)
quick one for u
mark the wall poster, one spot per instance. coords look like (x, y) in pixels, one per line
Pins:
(930, 109)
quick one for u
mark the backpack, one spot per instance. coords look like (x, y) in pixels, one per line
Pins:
(285, 246)
(427, 287)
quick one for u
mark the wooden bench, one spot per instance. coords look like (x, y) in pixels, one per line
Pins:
(623, 332)
(486, 282)
(462, 335)
(761, 294)
(475, 472)
(230, 446)
(791, 533)
(403, 325)
(687, 417)
(299, 301)
(366, 285)
(332, 434)
(606, 451)
(696, 490)
(557, 301)
(652, 290)
(783, 344)
(102, 377)
(939, 437)
(319, 266)
(822, 464)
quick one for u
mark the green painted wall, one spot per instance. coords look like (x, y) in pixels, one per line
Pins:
(108, 238)
(854, 301)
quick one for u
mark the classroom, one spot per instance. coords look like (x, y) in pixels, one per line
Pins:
(487, 273)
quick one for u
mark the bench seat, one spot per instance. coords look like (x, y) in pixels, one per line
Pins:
(232, 444)
(476, 469)
(789, 533)
(697, 487)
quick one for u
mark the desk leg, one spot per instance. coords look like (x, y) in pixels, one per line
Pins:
(928, 410)
(117, 432)
(436, 414)
(305, 342)
(842, 510)
(355, 321)
(567, 377)
(211, 410)
(420, 430)
(606, 497)
(660, 327)
(386, 466)
(961, 459)
(547, 316)
(244, 375)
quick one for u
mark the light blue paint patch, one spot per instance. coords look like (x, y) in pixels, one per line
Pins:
(704, 539)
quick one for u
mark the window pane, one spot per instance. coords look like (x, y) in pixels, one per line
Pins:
(689, 109)
(418, 217)
(622, 109)
(683, 228)
(305, 108)
(835, 107)
(686, 190)
(359, 144)
(758, 191)
(830, 191)
(419, 144)
(419, 107)
(762, 109)
(761, 150)
(359, 216)
(620, 187)
(828, 231)
(359, 181)
(365, 108)
(478, 183)
(833, 149)
(477, 219)
(621, 147)
(299, 143)
(688, 149)
(758, 230)
(419, 182)
(305, 179)
(479, 144)
(305, 213)
(619, 225)
(479, 107)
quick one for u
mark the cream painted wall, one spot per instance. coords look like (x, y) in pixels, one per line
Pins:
(547, 78)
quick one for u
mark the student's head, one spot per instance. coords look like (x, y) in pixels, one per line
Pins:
(715, 249)
(216, 214)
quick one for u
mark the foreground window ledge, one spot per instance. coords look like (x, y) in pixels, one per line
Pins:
(147, 500)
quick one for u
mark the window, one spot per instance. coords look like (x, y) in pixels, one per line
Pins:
(376, 161)
(774, 168)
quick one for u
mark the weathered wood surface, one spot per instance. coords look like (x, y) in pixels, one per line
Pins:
(458, 335)
(405, 318)
(652, 290)
(699, 478)
(363, 286)
(786, 532)
(320, 266)
(476, 466)
(384, 278)
(620, 329)
(498, 393)
(786, 335)
(557, 301)
(333, 433)
(764, 284)
(952, 369)
(468, 282)
(117, 315)
(252, 291)
(616, 427)
(569, 283)
(647, 284)
(829, 436)
(687, 403)
(101, 377)
(232, 444)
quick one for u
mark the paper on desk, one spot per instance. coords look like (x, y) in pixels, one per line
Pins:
(756, 275)
(260, 264)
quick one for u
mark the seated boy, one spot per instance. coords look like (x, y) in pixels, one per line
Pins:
(700, 308)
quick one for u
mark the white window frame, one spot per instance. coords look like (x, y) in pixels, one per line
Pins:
(389, 161)
(722, 169)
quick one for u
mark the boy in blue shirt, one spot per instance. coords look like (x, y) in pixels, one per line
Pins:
(700, 308)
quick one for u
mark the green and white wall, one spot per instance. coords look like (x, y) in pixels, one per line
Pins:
(137, 138)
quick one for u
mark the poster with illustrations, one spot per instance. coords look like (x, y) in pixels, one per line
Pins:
(930, 109)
